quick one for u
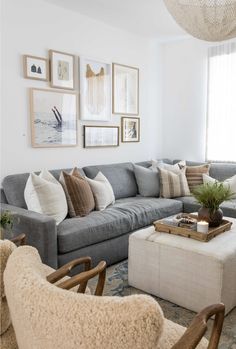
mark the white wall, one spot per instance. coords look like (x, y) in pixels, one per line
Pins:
(184, 103)
(34, 27)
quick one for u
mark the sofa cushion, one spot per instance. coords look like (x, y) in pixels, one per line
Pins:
(148, 181)
(14, 186)
(219, 171)
(191, 205)
(121, 177)
(125, 216)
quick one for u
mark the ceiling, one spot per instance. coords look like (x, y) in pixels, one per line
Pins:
(143, 17)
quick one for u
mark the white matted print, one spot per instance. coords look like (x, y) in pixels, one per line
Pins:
(130, 129)
(53, 118)
(35, 68)
(62, 70)
(95, 90)
(125, 89)
(101, 136)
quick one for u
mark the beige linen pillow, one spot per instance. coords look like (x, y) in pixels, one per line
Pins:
(229, 182)
(194, 175)
(102, 191)
(173, 184)
(176, 168)
(78, 193)
(45, 195)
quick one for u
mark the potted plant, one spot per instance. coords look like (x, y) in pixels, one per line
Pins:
(6, 222)
(210, 196)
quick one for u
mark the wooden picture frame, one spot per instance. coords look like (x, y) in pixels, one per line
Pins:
(94, 136)
(62, 70)
(125, 89)
(35, 68)
(129, 132)
(54, 118)
(95, 90)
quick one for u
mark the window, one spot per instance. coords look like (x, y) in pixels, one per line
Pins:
(221, 131)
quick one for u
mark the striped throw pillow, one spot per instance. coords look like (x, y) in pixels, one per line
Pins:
(194, 175)
(79, 195)
(173, 184)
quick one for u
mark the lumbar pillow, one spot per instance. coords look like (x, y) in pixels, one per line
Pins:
(173, 184)
(194, 175)
(102, 191)
(229, 182)
(44, 194)
(78, 193)
(148, 181)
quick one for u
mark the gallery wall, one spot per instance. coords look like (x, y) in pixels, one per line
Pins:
(184, 105)
(34, 27)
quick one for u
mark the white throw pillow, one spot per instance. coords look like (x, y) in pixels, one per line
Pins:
(102, 191)
(176, 168)
(229, 182)
(44, 194)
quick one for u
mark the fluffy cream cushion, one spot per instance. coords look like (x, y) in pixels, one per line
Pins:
(229, 182)
(172, 333)
(46, 317)
(44, 194)
(102, 191)
(7, 335)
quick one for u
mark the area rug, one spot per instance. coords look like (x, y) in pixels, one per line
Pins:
(117, 285)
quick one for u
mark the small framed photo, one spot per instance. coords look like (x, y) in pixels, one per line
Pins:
(53, 118)
(62, 67)
(125, 89)
(95, 90)
(35, 68)
(130, 129)
(101, 136)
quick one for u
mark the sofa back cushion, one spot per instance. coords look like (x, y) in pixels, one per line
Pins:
(121, 176)
(14, 186)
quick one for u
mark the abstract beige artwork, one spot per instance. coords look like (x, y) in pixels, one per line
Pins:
(95, 90)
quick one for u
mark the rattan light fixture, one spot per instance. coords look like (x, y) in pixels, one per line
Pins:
(210, 20)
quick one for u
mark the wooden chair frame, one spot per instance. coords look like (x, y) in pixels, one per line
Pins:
(80, 279)
(198, 328)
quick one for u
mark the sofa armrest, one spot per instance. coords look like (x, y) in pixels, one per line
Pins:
(40, 231)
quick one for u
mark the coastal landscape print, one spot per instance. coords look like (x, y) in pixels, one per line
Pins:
(53, 118)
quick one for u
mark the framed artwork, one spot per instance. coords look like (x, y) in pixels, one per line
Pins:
(125, 89)
(101, 136)
(35, 68)
(130, 129)
(53, 118)
(62, 70)
(95, 90)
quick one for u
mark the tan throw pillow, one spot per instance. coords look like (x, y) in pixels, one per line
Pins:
(173, 184)
(79, 195)
(194, 175)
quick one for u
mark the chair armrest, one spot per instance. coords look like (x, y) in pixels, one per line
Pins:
(40, 231)
(82, 279)
(65, 269)
(198, 328)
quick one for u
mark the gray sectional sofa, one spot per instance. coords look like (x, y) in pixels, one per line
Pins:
(101, 235)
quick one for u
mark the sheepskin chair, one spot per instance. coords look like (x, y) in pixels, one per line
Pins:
(45, 316)
(8, 339)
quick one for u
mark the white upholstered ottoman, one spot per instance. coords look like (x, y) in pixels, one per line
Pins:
(184, 271)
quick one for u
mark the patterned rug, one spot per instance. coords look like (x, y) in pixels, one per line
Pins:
(117, 285)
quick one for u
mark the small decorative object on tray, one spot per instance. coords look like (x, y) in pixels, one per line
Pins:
(188, 225)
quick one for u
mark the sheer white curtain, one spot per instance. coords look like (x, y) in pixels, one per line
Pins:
(221, 131)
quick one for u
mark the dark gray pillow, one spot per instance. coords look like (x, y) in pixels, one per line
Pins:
(148, 181)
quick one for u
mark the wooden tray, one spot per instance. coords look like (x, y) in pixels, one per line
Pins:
(161, 226)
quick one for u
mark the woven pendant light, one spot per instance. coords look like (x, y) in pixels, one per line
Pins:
(210, 20)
